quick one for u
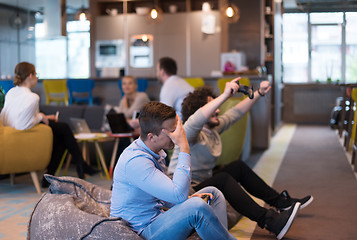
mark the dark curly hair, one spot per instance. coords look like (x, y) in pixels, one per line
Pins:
(195, 100)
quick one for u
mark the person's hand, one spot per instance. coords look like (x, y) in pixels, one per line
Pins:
(264, 87)
(52, 117)
(201, 194)
(178, 136)
(134, 123)
(231, 88)
(44, 119)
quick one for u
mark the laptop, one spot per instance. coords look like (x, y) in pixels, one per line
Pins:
(118, 123)
(81, 128)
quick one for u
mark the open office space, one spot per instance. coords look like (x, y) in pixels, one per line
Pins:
(300, 136)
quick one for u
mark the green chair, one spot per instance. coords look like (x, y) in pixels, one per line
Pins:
(221, 82)
(234, 139)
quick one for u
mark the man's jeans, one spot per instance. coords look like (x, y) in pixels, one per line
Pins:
(209, 221)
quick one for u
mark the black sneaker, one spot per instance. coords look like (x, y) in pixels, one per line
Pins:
(286, 201)
(279, 223)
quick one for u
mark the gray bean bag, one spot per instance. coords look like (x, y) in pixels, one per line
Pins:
(76, 209)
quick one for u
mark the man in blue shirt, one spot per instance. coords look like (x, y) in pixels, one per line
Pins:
(141, 188)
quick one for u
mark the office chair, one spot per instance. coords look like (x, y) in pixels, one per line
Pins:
(221, 82)
(142, 85)
(56, 91)
(6, 85)
(80, 91)
(195, 82)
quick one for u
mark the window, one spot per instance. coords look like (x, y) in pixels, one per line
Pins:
(313, 47)
(295, 45)
(351, 47)
(78, 49)
(64, 57)
(50, 55)
(326, 44)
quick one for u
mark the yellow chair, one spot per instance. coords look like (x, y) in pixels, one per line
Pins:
(195, 82)
(25, 150)
(221, 82)
(353, 133)
(233, 138)
(56, 91)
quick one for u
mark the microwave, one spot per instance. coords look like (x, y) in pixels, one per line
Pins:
(110, 53)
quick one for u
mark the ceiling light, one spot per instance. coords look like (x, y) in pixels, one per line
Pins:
(154, 13)
(230, 13)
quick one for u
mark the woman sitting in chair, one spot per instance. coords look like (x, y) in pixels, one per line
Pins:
(21, 111)
(132, 101)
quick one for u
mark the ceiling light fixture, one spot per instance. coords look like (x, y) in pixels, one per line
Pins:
(82, 14)
(230, 13)
(155, 13)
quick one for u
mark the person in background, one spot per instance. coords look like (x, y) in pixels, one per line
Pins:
(21, 111)
(132, 100)
(174, 88)
(141, 188)
(203, 127)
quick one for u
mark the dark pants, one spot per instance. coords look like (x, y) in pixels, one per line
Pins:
(230, 181)
(63, 139)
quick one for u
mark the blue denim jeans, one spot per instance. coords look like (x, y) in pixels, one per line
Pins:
(209, 221)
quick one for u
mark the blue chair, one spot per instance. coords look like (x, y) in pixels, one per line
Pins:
(6, 85)
(142, 85)
(80, 91)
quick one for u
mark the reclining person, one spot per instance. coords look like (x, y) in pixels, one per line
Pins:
(141, 188)
(203, 127)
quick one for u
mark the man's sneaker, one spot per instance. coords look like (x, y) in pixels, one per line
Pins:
(279, 223)
(285, 201)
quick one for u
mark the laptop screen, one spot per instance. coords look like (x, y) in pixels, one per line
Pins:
(80, 125)
(118, 123)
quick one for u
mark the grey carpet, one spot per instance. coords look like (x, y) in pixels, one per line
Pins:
(315, 163)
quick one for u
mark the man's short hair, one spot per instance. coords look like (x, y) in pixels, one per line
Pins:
(195, 100)
(168, 65)
(151, 117)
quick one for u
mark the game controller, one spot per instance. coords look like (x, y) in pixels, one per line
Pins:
(245, 90)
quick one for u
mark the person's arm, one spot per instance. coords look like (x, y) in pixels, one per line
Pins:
(151, 180)
(230, 89)
(241, 108)
(245, 105)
